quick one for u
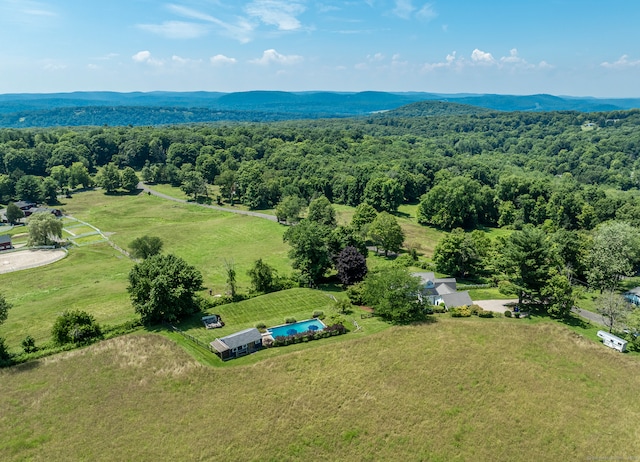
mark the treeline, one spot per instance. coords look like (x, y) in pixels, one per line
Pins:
(569, 170)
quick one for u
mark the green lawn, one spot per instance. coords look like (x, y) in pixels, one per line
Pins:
(270, 309)
(456, 389)
(204, 237)
(92, 278)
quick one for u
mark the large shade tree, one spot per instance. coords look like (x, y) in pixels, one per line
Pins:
(162, 289)
(386, 233)
(44, 229)
(526, 262)
(393, 293)
(615, 253)
(309, 250)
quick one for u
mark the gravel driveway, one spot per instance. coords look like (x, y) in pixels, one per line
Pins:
(497, 306)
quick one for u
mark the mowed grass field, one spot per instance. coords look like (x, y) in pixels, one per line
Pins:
(456, 389)
(271, 310)
(93, 277)
(204, 237)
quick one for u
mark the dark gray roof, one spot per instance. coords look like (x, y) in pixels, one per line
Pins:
(457, 299)
(244, 337)
(24, 204)
(635, 291)
(424, 277)
(5, 238)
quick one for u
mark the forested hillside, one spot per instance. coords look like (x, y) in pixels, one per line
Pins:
(163, 108)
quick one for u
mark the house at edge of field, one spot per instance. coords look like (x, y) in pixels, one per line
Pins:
(32, 210)
(442, 290)
(24, 205)
(238, 344)
(612, 341)
(5, 242)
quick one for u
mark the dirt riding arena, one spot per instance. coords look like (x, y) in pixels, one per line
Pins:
(24, 259)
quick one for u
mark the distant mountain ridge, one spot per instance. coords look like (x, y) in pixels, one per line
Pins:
(156, 108)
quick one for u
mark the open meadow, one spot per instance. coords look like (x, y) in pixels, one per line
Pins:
(93, 276)
(456, 389)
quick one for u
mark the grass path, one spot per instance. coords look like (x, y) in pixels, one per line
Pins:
(145, 188)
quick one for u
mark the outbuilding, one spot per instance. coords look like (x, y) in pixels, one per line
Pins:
(612, 341)
(5, 242)
(238, 344)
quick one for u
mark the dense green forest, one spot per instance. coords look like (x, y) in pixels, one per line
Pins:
(574, 169)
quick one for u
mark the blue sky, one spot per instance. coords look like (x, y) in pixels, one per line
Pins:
(561, 47)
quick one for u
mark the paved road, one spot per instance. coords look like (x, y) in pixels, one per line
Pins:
(500, 306)
(148, 190)
(593, 317)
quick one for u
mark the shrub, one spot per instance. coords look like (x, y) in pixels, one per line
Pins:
(289, 320)
(335, 319)
(460, 312)
(475, 309)
(5, 356)
(404, 260)
(29, 344)
(427, 265)
(355, 292)
(318, 314)
(439, 309)
(261, 326)
(517, 314)
(507, 314)
(485, 314)
(77, 327)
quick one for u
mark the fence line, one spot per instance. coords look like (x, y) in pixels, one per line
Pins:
(192, 338)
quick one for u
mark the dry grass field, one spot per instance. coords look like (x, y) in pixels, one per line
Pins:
(456, 389)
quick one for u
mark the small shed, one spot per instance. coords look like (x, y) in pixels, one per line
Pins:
(238, 344)
(612, 341)
(5, 242)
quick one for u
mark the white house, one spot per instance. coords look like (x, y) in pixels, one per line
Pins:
(612, 341)
(436, 291)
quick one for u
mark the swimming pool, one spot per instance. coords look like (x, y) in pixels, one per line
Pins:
(296, 328)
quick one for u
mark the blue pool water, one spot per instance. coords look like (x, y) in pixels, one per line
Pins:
(296, 328)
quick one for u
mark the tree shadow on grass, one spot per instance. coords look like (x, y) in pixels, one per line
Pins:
(121, 193)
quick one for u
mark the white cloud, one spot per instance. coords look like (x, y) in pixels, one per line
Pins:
(426, 13)
(482, 57)
(142, 56)
(184, 61)
(190, 13)
(146, 58)
(27, 13)
(513, 57)
(279, 13)
(404, 9)
(272, 56)
(449, 61)
(51, 65)
(199, 24)
(176, 29)
(222, 59)
(622, 63)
